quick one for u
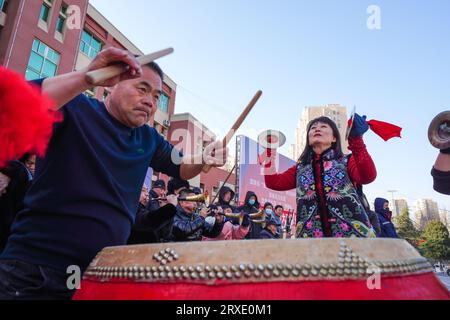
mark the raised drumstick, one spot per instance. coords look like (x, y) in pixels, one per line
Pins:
(98, 76)
(237, 124)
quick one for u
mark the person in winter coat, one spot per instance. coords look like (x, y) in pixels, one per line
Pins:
(277, 216)
(229, 231)
(270, 230)
(268, 209)
(158, 191)
(153, 224)
(15, 180)
(188, 225)
(328, 204)
(226, 195)
(387, 228)
(251, 205)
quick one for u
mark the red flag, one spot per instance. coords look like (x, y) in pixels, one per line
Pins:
(385, 130)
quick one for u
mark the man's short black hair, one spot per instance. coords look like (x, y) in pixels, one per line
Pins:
(155, 67)
(197, 190)
(159, 184)
(185, 193)
(175, 184)
(278, 206)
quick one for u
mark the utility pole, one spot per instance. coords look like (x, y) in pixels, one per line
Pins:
(393, 201)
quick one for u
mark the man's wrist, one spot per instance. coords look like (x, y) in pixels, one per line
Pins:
(445, 151)
(193, 160)
(82, 80)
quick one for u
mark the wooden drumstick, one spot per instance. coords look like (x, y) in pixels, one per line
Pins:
(98, 76)
(237, 124)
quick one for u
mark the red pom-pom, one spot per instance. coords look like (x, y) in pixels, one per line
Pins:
(26, 118)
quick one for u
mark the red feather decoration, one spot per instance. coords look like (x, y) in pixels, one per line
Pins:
(26, 118)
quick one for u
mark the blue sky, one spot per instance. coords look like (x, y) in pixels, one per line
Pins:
(304, 53)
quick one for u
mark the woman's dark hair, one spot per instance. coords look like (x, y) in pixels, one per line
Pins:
(307, 154)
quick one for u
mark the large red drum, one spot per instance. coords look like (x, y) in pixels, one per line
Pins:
(310, 269)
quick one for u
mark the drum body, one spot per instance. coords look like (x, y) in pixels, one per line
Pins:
(307, 269)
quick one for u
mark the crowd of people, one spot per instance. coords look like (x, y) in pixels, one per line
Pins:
(163, 216)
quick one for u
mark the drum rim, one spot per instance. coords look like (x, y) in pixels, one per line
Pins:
(167, 263)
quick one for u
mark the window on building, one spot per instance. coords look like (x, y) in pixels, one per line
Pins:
(3, 5)
(202, 187)
(163, 103)
(43, 61)
(45, 10)
(89, 45)
(61, 19)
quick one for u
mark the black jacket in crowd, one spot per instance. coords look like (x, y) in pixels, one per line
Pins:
(441, 181)
(266, 234)
(153, 226)
(12, 201)
(153, 205)
(255, 228)
(191, 227)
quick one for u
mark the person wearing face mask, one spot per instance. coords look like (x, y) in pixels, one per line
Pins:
(268, 209)
(251, 205)
(328, 204)
(229, 231)
(387, 228)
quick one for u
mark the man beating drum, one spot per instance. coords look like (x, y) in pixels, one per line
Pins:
(86, 190)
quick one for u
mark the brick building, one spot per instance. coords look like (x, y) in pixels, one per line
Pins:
(44, 38)
(191, 136)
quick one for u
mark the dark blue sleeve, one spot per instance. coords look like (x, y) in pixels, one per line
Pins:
(37, 82)
(441, 181)
(63, 110)
(162, 159)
